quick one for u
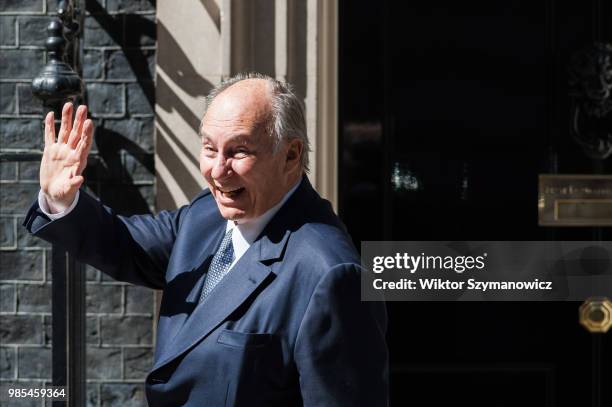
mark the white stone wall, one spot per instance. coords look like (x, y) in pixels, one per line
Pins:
(201, 42)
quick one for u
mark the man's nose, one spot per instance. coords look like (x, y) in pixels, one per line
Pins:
(221, 168)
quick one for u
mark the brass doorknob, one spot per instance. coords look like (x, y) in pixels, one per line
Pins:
(596, 314)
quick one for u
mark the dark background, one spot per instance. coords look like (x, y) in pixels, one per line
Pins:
(448, 112)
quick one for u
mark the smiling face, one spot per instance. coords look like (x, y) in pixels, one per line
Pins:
(244, 172)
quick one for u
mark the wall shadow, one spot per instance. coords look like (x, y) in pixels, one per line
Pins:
(178, 72)
(213, 11)
(136, 57)
(115, 185)
(179, 68)
(176, 166)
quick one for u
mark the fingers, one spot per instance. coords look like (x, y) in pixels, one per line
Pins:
(49, 129)
(77, 128)
(66, 126)
(84, 145)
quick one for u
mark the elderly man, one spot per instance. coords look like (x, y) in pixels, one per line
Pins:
(261, 283)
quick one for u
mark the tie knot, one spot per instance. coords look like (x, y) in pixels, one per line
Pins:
(226, 250)
(228, 237)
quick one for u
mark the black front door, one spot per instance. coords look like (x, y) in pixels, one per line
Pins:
(449, 110)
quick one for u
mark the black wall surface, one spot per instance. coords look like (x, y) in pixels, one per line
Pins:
(118, 59)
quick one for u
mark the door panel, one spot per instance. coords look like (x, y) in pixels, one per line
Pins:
(448, 113)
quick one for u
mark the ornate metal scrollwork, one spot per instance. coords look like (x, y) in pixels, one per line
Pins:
(591, 95)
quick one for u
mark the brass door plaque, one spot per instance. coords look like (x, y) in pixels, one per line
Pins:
(575, 200)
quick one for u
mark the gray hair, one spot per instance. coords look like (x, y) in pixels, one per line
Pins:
(288, 120)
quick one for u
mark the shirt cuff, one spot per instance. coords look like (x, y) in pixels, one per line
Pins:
(44, 206)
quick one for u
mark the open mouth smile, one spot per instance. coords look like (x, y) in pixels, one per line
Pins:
(229, 193)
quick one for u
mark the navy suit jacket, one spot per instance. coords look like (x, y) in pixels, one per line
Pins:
(284, 327)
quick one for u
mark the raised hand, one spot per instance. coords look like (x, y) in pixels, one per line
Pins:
(65, 159)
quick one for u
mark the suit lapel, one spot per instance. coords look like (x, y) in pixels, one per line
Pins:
(187, 284)
(246, 277)
(242, 281)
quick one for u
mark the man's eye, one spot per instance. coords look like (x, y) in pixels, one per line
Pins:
(241, 153)
(208, 150)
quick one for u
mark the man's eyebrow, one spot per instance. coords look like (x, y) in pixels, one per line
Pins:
(203, 135)
(241, 139)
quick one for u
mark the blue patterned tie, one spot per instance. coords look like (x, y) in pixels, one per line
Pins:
(220, 264)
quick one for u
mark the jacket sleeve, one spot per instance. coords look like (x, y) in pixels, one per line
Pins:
(340, 352)
(133, 249)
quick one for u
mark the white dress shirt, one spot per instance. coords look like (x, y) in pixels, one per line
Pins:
(44, 206)
(243, 235)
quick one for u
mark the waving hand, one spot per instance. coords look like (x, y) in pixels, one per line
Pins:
(65, 158)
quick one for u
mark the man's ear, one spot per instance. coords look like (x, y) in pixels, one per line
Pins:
(295, 149)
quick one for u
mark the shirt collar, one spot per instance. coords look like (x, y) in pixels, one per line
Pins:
(244, 234)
